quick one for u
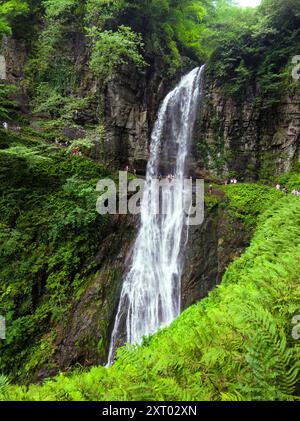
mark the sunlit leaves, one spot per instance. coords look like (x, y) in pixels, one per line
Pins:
(113, 49)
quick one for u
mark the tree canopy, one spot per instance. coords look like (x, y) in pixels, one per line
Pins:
(9, 10)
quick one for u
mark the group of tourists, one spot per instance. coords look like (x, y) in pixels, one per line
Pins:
(231, 181)
(285, 190)
(74, 151)
(127, 169)
(62, 144)
(14, 128)
(169, 177)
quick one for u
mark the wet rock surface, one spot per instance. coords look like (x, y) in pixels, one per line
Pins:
(241, 138)
(211, 247)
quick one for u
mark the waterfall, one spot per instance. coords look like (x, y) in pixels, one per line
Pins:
(151, 293)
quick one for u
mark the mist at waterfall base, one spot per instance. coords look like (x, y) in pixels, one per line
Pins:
(151, 292)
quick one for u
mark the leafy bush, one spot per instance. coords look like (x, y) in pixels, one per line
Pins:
(290, 180)
(248, 201)
(7, 103)
(252, 55)
(113, 49)
(8, 10)
(4, 382)
(49, 234)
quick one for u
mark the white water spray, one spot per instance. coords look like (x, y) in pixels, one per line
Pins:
(151, 293)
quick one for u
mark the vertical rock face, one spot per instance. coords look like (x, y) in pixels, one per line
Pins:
(210, 248)
(233, 136)
(238, 137)
(15, 55)
(126, 105)
(131, 104)
(127, 124)
(287, 136)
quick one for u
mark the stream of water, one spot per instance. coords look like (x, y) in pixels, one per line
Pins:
(151, 292)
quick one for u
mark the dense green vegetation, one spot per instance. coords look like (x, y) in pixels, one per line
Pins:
(290, 180)
(235, 345)
(7, 103)
(254, 50)
(10, 10)
(115, 33)
(245, 48)
(49, 233)
(248, 201)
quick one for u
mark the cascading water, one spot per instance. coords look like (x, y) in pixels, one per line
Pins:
(151, 293)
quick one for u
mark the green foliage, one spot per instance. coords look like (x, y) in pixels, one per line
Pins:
(8, 10)
(4, 383)
(113, 49)
(248, 201)
(55, 8)
(120, 33)
(290, 180)
(49, 234)
(51, 73)
(267, 167)
(224, 23)
(252, 49)
(103, 13)
(7, 103)
(168, 27)
(62, 109)
(234, 345)
(241, 42)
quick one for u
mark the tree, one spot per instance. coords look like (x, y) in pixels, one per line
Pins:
(8, 10)
(112, 49)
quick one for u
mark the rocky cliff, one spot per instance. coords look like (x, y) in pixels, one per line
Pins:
(210, 248)
(131, 103)
(237, 137)
(233, 137)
